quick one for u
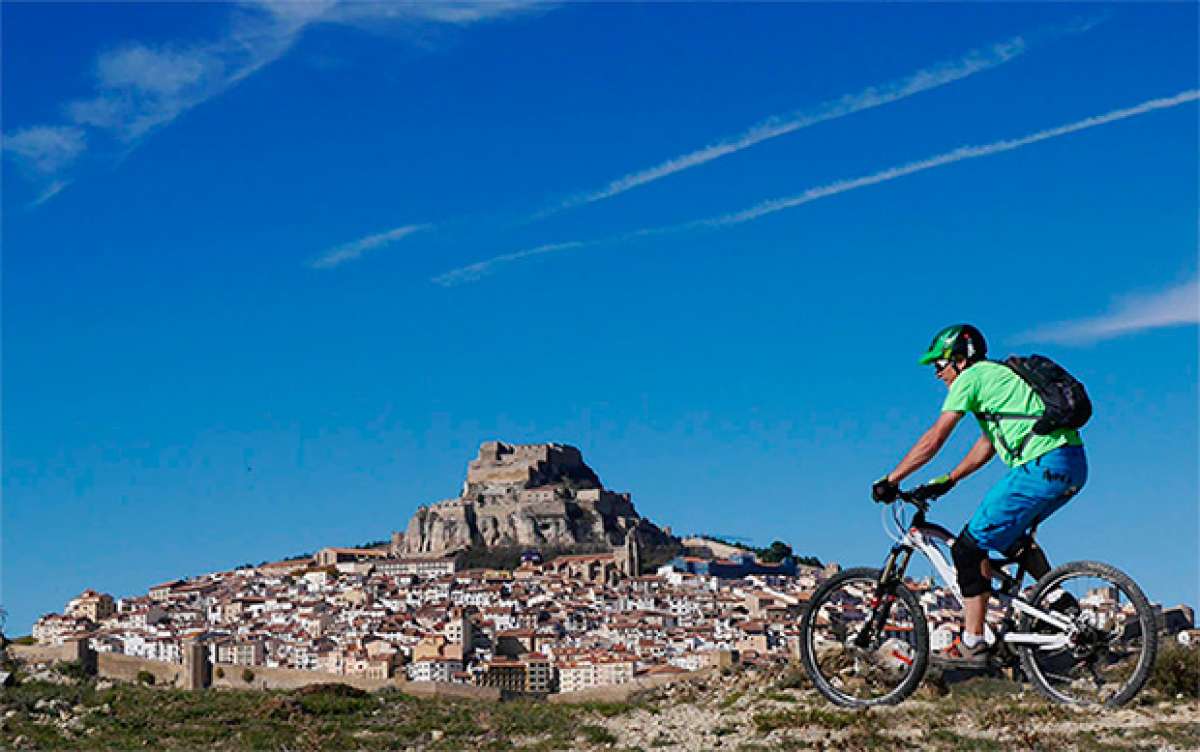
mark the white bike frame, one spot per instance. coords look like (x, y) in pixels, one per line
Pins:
(923, 539)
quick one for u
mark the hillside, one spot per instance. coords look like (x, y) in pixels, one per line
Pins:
(740, 710)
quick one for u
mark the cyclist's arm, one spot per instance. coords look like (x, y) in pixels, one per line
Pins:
(926, 447)
(980, 454)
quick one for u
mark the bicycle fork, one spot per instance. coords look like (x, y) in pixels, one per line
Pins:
(883, 599)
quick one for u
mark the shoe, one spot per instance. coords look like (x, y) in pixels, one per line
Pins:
(958, 654)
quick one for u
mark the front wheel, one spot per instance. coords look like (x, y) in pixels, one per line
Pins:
(1107, 655)
(861, 647)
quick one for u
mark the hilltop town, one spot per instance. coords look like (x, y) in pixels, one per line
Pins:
(413, 610)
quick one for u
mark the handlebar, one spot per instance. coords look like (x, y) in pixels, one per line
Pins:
(910, 497)
(896, 531)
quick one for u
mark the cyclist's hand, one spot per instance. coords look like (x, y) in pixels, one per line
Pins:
(884, 491)
(939, 486)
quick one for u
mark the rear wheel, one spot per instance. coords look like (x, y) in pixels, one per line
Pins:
(1108, 654)
(894, 651)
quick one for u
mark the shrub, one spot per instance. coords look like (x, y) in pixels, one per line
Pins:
(335, 699)
(247, 675)
(597, 734)
(145, 677)
(1177, 670)
(793, 678)
(71, 670)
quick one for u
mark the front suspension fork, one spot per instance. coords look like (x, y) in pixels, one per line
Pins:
(884, 598)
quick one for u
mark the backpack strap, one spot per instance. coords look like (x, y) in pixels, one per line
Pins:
(1015, 453)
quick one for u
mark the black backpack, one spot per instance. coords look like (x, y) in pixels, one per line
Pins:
(1067, 402)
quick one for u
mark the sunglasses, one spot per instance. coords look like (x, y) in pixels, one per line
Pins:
(940, 365)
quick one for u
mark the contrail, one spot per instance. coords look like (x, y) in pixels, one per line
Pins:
(351, 251)
(958, 155)
(937, 75)
(476, 270)
(472, 272)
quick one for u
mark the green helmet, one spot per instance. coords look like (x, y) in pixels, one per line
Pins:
(956, 341)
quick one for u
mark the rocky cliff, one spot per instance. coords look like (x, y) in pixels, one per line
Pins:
(529, 495)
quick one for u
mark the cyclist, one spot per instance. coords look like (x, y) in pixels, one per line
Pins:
(1045, 471)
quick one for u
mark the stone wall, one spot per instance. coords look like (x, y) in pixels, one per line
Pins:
(623, 692)
(127, 668)
(229, 676)
(456, 691)
(110, 665)
(69, 651)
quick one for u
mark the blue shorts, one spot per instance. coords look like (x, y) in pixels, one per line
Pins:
(1027, 495)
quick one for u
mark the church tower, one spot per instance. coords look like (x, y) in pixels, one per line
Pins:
(628, 557)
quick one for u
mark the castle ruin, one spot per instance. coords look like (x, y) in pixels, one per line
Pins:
(533, 496)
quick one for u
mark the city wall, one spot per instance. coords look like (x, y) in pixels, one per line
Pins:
(127, 668)
(198, 674)
(456, 691)
(230, 676)
(69, 651)
(623, 692)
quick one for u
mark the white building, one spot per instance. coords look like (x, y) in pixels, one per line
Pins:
(575, 676)
(434, 669)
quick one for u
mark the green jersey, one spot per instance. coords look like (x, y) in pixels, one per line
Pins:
(991, 389)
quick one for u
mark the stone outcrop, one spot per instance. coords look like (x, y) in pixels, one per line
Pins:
(532, 495)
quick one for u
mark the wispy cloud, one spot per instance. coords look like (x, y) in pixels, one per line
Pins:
(842, 186)
(45, 149)
(932, 77)
(354, 250)
(1175, 306)
(950, 157)
(139, 87)
(472, 272)
(50, 192)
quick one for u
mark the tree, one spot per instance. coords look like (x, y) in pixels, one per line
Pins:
(778, 551)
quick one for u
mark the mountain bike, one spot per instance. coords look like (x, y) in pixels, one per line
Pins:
(1084, 633)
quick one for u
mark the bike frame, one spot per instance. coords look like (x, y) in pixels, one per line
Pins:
(920, 535)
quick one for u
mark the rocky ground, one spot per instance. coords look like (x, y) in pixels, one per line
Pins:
(60, 708)
(744, 712)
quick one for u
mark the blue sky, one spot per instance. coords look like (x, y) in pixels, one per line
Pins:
(273, 272)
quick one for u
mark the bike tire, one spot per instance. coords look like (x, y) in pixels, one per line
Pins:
(920, 649)
(1145, 615)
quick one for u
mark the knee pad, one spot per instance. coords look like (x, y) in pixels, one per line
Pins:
(1030, 556)
(968, 558)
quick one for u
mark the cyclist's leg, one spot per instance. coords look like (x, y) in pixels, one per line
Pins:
(977, 536)
(1027, 495)
(1005, 513)
(1029, 554)
(1066, 470)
